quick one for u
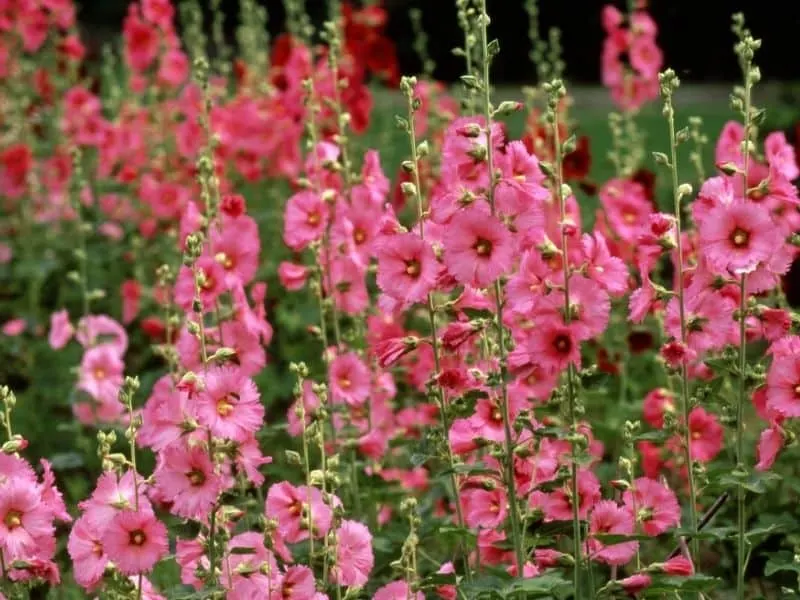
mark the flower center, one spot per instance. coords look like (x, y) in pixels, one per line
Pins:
(740, 237)
(137, 537)
(97, 549)
(313, 218)
(562, 344)
(359, 236)
(695, 435)
(206, 280)
(13, 519)
(628, 217)
(797, 389)
(225, 406)
(412, 267)
(483, 247)
(345, 383)
(224, 260)
(99, 373)
(196, 477)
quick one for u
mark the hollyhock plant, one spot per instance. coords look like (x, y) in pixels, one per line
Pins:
(229, 404)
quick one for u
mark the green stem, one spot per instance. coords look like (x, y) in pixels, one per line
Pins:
(442, 400)
(682, 311)
(576, 521)
(510, 482)
(740, 496)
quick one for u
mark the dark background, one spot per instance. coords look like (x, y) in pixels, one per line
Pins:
(694, 34)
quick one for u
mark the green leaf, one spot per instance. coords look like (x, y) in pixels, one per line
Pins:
(781, 561)
(242, 550)
(755, 482)
(664, 584)
(610, 539)
(544, 586)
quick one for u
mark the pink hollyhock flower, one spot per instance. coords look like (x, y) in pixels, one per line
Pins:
(709, 319)
(61, 329)
(735, 238)
(781, 156)
(310, 404)
(135, 541)
(166, 416)
(653, 504)
(729, 144)
(770, 443)
(349, 289)
(305, 220)
(407, 267)
(642, 300)
(86, 551)
(529, 285)
(626, 207)
(25, 521)
(292, 276)
(349, 379)
(465, 150)
(210, 280)
(676, 353)
(101, 372)
(783, 383)
(645, 56)
(397, 590)
(250, 354)
(298, 583)
(775, 321)
(557, 505)
(478, 248)
(607, 270)
(354, 558)
(249, 459)
(230, 405)
(555, 346)
(236, 249)
(678, 565)
(656, 403)
(590, 307)
(288, 505)
(607, 517)
(188, 478)
(191, 554)
(487, 421)
(706, 434)
(173, 68)
(50, 495)
(110, 496)
(484, 508)
(636, 583)
(715, 192)
(14, 327)
(131, 293)
(462, 436)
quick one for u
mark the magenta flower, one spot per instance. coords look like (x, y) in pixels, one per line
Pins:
(230, 405)
(25, 521)
(735, 238)
(407, 267)
(354, 558)
(478, 248)
(349, 379)
(135, 541)
(653, 504)
(86, 551)
(607, 517)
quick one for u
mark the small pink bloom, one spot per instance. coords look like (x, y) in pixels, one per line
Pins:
(230, 405)
(678, 565)
(135, 541)
(607, 517)
(86, 551)
(354, 558)
(292, 276)
(61, 330)
(478, 248)
(14, 327)
(397, 590)
(653, 505)
(188, 478)
(349, 379)
(770, 443)
(288, 504)
(407, 267)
